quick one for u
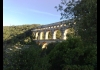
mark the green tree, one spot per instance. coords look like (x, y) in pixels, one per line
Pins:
(28, 59)
(73, 54)
(84, 13)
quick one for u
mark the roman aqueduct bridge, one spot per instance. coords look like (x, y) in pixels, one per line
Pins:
(63, 26)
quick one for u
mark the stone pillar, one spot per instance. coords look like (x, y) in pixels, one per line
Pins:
(46, 35)
(36, 35)
(41, 35)
(64, 36)
(54, 34)
(64, 33)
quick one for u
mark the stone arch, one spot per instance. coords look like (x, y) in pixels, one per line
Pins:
(47, 35)
(64, 24)
(44, 45)
(55, 33)
(66, 31)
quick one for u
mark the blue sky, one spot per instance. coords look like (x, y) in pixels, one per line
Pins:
(19, 12)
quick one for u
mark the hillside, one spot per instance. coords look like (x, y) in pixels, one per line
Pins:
(17, 34)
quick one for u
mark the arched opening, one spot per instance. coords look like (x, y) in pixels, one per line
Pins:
(41, 35)
(33, 35)
(48, 35)
(44, 45)
(57, 34)
(71, 32)
(68, 32)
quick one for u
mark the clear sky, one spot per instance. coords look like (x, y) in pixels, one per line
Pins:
(19, 12)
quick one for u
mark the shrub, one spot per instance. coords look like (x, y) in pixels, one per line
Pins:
(28, 59)
(73, 52)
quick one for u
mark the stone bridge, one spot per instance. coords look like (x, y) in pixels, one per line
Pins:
(63, 26)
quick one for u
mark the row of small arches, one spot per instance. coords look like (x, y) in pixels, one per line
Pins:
(51, 27)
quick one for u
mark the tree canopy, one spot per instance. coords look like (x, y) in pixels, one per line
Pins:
(84, 13)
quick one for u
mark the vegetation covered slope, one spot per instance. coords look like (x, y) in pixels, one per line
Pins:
(17, 34)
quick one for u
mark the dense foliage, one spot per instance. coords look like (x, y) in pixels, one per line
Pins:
(84, 13)
(18, 34)
(72, 54)
(28, 59)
